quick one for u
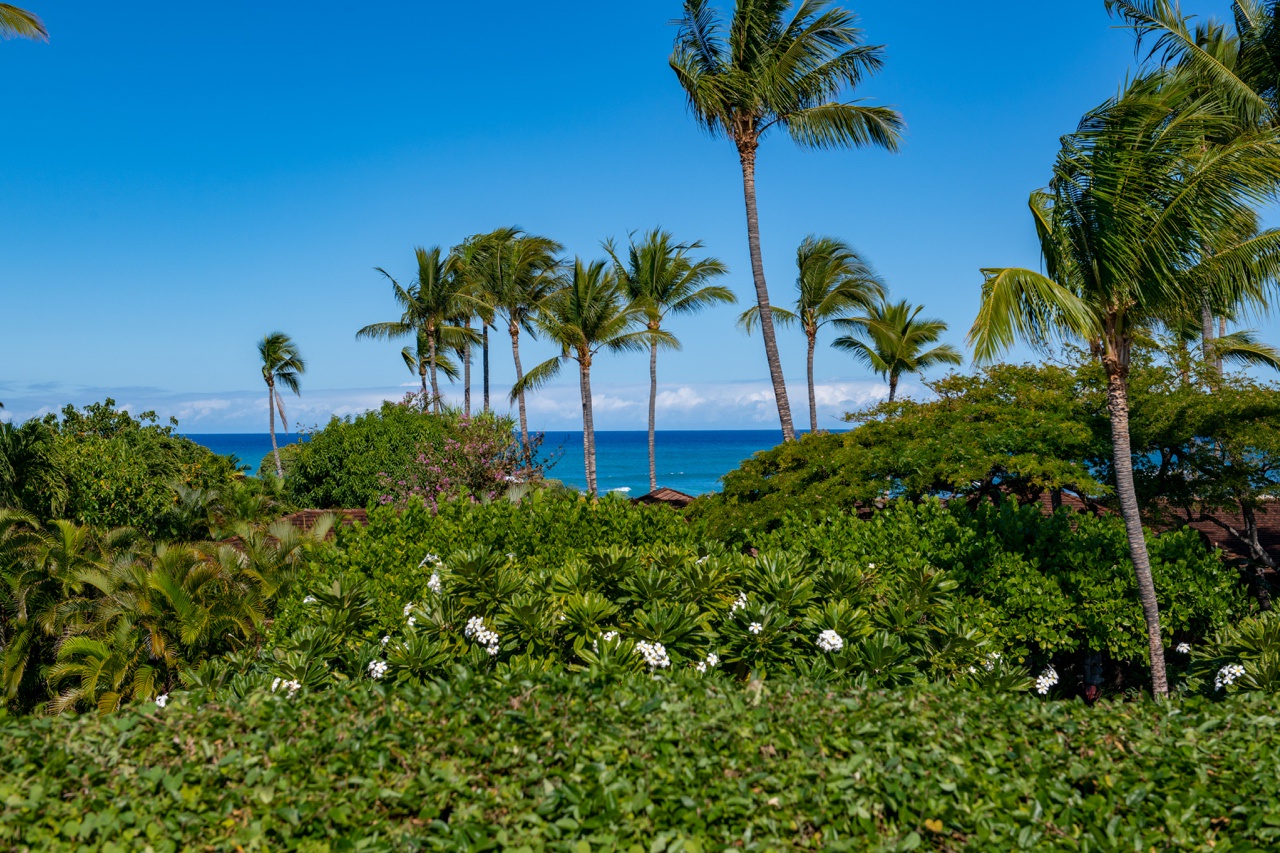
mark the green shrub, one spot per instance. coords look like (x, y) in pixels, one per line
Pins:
(589, 762)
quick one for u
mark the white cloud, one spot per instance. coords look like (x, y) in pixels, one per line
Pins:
(697, 405)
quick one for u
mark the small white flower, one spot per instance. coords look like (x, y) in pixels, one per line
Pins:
(702, 560)
(407, 608)
(476, 630)
(386, 639)
(1047, 679)
(702, 666)
(871, 565)
(756, 628)
(713, 659)
(739, 603)
(654, 654)
(310, 599)
(830, 641)
(1227, 675)
(989, 664)
(434, 584)
(1183, 648)
(510, 556)
(290, 687)
(413, 620)
(430, 558)
(162, 700)
(377, 669)
(607, 636)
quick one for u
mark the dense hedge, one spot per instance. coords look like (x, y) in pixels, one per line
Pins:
(579, 763)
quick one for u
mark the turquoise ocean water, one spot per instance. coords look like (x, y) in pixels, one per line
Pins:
(690, 461)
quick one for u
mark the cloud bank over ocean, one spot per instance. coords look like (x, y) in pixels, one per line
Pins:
(712, 405)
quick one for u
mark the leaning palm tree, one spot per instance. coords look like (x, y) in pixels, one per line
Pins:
(420, 359)
(1136, 192)
(20, 23)
(282, 364)
(661, 276)
(589, 313)
(766, 72)
(429, 305)
(833, 282)
(892, 339)
(515, 271)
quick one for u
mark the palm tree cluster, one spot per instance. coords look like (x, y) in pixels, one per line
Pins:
(517, 280)
(1150, 224)
(95, 619)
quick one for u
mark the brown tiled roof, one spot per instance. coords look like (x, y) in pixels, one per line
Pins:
(666, 496)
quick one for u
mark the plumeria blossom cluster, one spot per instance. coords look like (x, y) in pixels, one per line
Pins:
(477, 631)
(830, 641)
(377, 669)
(1227, 675)
(710, 662)
(1183, 648)
(433, 583)
(290, 687)
(408, 608)
(654, 654)
(755, 627)
(1046, 680)
(990, 661)
(739, 603)
(607, 636)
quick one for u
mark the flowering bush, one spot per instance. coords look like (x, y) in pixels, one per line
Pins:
(479, 459)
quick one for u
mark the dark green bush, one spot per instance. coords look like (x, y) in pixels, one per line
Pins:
(584, 762)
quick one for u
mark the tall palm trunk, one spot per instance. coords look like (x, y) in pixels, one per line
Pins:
(422, 380)
(893, 387)
(435, 385)
(514, 329)
(1206, 338)
(466, 375)
(653, 416)
(484, 358)
(1122, 458)
(271, 419)
(813, 398)
(588, 425)
(747, 154)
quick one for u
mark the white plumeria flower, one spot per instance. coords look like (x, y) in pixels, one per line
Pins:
(310, 599)
(702, 560)
(871, 565)
(654, 654)
(830, 641)
(1227, 675)
(290, 687)
(476, 630)
(607, 636)
(1183, 648)
(377, 669)
(755, 628)
(702, 666)
(434, 584)
(713, 659)
(407, 608)
(162, 700)
(989, 663)
(386, 639)
(739, 603)
(413, 620)
(1046, 680)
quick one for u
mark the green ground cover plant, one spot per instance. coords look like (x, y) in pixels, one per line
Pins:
(587, 761)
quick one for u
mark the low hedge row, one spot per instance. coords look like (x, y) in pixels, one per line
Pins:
(583, 762)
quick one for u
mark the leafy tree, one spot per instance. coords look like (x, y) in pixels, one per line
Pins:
(283, 364)
(514, 271)
(891, 339)
(833, 282)
(763, 71)
(15, 22)
(590, 313)
(661, 276)
(1134, 192)
(430, 305)
(30, 478)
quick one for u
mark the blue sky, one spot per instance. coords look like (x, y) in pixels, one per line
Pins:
(180, 179)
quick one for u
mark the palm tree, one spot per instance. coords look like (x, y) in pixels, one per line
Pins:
(770, 72)
(833, 281)
(663, 278)
(21, 23)
(418, 358)
(891, 340)
(1135, 194)
(282, 364)
(472, 306)
(590, 312)
(430, 305)
(515, 272)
